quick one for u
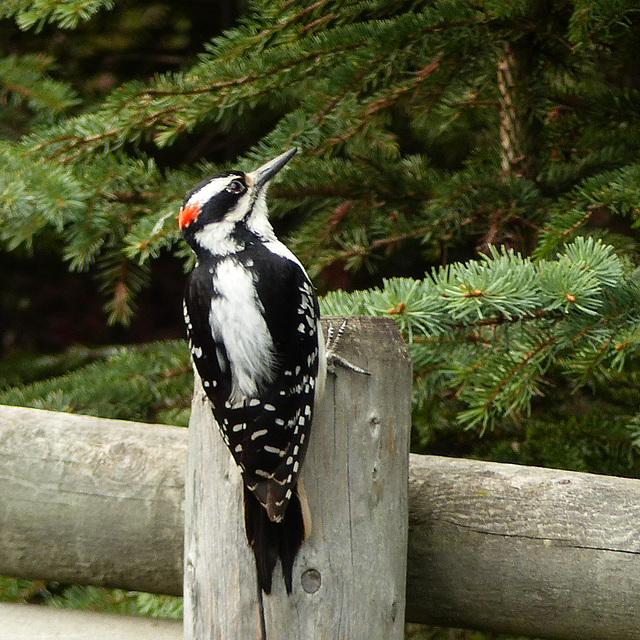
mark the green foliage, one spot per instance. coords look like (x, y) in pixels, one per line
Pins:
(422, 632)
(489, 331)
(469, 169)
(149, 383)
(65, 13)
(89, 598)
(25, 79)
(394, 107)
(117, 601)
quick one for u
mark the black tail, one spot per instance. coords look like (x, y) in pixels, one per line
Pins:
(272, 540)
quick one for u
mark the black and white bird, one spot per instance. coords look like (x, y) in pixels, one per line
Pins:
(252, 321)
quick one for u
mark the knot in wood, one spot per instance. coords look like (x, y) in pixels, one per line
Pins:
(311, 580)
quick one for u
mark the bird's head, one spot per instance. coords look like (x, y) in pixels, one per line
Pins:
(216, 212)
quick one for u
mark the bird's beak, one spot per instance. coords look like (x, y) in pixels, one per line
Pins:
(263, 174)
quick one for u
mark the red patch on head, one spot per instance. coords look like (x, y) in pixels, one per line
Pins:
(188, 214)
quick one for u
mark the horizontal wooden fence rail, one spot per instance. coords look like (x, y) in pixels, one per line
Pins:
(539, 552)
(523, 550)
(85, 500)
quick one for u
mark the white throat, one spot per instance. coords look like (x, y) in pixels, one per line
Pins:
(217, 237)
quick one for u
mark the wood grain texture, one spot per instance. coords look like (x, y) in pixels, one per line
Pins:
(538, 552)
(349, 578)
(91, 501)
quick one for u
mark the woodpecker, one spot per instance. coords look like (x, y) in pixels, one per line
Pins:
(252, 321)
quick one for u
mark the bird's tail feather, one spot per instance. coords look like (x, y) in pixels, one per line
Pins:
(271, 541)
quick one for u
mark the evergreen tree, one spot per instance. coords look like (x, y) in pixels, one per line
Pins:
(492, 146)
(430, 133)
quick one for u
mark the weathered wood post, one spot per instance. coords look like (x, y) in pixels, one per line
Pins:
(349, 578)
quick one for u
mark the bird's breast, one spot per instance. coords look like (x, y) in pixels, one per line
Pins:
(236, 319)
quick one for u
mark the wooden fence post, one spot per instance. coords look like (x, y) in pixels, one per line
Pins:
(349, 578)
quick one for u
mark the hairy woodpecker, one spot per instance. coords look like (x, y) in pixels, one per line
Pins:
(252, 321)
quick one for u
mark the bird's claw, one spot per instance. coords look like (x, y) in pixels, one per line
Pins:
(333, 358)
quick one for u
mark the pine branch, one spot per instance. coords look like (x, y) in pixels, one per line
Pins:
(362, 252)
(65, 13)
(614, 192)
(147, 383)
(504, 319)
(27, 79)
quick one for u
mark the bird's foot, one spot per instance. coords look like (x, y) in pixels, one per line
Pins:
(333, 358)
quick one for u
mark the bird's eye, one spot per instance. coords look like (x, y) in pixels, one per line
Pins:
(236, 187)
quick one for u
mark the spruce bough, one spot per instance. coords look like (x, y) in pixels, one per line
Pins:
(495, 139)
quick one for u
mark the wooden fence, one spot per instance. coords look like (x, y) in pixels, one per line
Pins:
(505, 548)
(350, 575)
